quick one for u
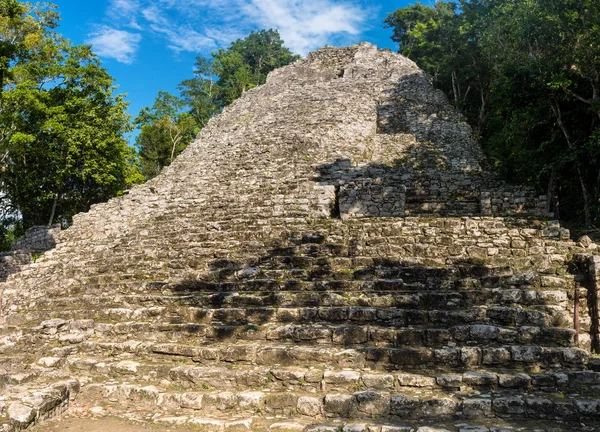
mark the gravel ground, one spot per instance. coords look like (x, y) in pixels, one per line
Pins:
(105, 424)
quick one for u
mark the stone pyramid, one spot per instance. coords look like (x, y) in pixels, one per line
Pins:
(330, 254)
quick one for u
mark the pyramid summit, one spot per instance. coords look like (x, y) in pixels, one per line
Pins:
(331, 253)
(339, 118)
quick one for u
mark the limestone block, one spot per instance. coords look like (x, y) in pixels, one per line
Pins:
(126, 366)
(322, 428)
(22, 414)
(518, 380)
(355, 427)
(439, 408)
(508, 406)
(339, 405)
(280, 401)
(50, 361)
(286, 427)
(238, 425)
(378, 381)
(480, 378)
(207, 425)
(411, 380)
(372, 404)
(404, 406)
(191, 400)
(477, 408)
(450, 380)
(395, 429)
(496, 356)
(341, 377)
(223, 401)
(539, 408)
(253, 400)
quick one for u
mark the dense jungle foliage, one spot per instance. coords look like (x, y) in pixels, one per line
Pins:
(526, 74)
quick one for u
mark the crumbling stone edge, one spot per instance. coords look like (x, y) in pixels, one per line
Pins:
(32, 407)
(589, 266)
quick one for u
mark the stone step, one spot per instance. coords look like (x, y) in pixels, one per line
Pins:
(114, 264)
(108, 273)
(343, 232)
(338, 335)
(292, 284)
(379, 405)
(13, 379)
(297, 423)
(522, 357)
(368, 263)
(336, 296)
(301, 333)
(317, 379)
(495, 321)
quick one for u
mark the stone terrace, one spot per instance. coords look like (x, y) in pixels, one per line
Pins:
(330, 254)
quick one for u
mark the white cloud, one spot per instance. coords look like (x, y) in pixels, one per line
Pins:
(309, 24)
(200, 26)
(123, 8)
(179, 37)
(184, 38)
(116, 44)
(124, 12)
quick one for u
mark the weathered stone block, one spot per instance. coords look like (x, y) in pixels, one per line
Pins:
(341, 405)
(309, 406)
(412, 380)
(477, 408)
(372, 404)
(404, 406)
(508, 406)
(378, 381)
(539, 408)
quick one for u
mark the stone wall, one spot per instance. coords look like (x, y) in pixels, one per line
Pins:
(37, 239)
(589, 299)
(369, 198)
(11, 262)
(513, 201)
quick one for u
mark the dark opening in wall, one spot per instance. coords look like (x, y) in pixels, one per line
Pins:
(335, 211)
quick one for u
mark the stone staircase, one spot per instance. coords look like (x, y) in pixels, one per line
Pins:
(340, 323)
(231, 293)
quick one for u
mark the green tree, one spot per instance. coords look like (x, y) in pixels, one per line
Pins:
(166, 130)
(527, 75)
(66, 150)
(61, 125)
(201, 94)
(247, 62)
(24, 31)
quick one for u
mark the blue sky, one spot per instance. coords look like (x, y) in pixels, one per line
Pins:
(150, 45)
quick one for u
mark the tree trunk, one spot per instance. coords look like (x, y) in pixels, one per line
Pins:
(454, 90)
(553, 194)
(482, 112)
(54, 204)
(587, 208)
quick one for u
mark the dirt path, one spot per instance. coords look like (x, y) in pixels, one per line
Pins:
(106, 424)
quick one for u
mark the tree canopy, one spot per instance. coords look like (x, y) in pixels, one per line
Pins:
(527, 76)
(62, 145)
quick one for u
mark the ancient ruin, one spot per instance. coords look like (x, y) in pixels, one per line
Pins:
(331, 254)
